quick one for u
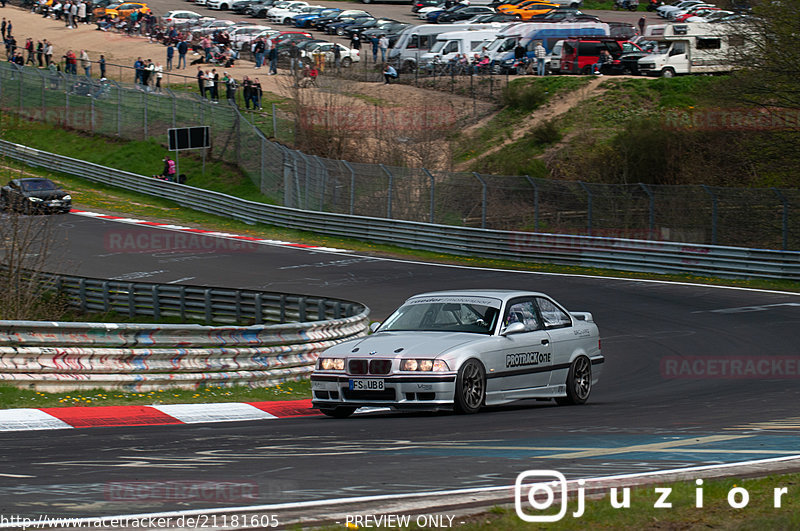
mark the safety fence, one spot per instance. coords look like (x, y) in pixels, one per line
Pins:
(288, 334)
(743, 217)
(587, 251)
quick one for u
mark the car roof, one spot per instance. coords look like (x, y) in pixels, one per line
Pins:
(502, 294)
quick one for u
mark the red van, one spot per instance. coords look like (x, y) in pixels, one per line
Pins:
(578, 55)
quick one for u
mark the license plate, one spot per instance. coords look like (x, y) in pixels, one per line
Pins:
(372, 384)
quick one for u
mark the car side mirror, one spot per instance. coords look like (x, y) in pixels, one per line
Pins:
(513, 328)
(374, 326)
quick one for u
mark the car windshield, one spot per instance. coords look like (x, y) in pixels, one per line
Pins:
(37, 185)
(469, 314)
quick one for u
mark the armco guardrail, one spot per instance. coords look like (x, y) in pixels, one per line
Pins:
(283, 343)
(586, 251)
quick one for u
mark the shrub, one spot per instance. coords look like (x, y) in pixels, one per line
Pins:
(524, 96)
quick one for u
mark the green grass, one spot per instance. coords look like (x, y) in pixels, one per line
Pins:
(12, 397)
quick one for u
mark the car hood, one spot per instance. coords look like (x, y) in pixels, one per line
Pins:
(403, 344)
(46, 194)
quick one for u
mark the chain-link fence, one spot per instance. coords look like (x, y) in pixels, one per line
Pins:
(761, 218)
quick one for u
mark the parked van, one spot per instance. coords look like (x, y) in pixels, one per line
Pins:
(416, 41)
(501, 50)
(578, 55)
(695, 48)
(454, 43)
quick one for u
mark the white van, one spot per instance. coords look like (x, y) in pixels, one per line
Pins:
(695, 48)
(454, 43)
(416, 41)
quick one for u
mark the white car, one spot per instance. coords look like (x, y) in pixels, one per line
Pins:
(244, 43)
(675, 12)
(219, 4)
(215, 25)
(277, 14)
(423, 13)
(183, 18)
(245, 34)
(463, 350)
(663, 11)
(347, 58)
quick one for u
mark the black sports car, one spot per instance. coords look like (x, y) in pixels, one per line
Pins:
(34, 194)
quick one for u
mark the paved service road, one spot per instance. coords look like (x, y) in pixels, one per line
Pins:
(639, 418)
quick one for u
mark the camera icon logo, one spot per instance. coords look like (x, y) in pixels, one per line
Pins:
(539, 491)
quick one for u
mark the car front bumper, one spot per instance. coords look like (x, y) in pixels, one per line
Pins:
(406, 392)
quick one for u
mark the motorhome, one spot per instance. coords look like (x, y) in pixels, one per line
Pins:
(501, 50)
(416, 41)
(450, 45)
(694, 48)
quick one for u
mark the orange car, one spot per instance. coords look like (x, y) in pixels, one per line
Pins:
(125, 10)
(531, 7)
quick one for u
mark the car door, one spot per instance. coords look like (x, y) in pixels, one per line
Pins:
(563, 339)
(521, 360)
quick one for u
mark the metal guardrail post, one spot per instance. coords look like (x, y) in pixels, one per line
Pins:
(714, 204)
(784, 217)
(296, 178)
(483, 198)
(259, 309)
(535, 202)
(388, 191)
(209, 305)
(588, 207)
(131, 300)
(352, 185)
(82, 295)
(651, 206)
(301, 309)
(282, 309)
(287, 177)
(433, 202)
(182, 303)
(106, 302)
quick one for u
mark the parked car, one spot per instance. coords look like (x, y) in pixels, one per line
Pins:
(259, 8)
(462, 351)
(32, 195)
(464, 14)
(419, 4)
(304, 20)
(125, 10)
(240, 6)
(321, 22)
(378, 23)
(493, 17)
(348, 55)
(338, 27)
(578, 55)
(663, 11)
(184, 18)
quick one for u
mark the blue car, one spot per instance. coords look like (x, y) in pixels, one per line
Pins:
(305, 20)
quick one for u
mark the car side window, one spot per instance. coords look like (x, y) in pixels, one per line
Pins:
(522, 312)
(552, 315)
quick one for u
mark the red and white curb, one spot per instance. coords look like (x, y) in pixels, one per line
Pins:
(54, 418)
(215, 234)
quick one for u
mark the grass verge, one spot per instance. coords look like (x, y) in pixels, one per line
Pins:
(13, 397)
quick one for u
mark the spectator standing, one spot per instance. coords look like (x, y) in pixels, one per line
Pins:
(230, 88)
(73, 11)
(40, 53)
(170, 55)
(337, 57)
(148, 75)
(209, 85)
(86, 63)
(247, 91)
(3, 28)
(383, 43)
(29, 51)
(81, 13)
(257, 94)
(375, 41)
(355, 42)
(57, 10)
(72, 62)
(205, 43)
(273, 59)
(8, 28)
(183, 47)
(138, 71)
(201, 82)
(540, 53)
(259, 49)
(159, 72)
(102, 63)
(48, 53)
(642, 24)
(294, 58)
(215, 85)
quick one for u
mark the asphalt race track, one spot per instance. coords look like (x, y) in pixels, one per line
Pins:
(639, 418)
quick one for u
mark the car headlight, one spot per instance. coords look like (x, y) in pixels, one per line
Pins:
(424, 365)
(331, 364)
(67, 198)
(35, 199)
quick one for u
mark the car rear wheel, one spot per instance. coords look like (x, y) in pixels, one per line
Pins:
(339, 412)
(579, 382)
(470, 387)
(347, 62)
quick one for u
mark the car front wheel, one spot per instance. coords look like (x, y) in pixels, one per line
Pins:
(470, 387)
(339, 412)
(579, 382)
